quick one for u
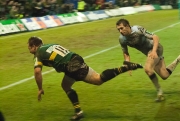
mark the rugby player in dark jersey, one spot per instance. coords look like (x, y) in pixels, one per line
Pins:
(148, 43)
(73, 67)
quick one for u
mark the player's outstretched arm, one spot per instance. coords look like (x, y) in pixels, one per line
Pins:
(38, 78)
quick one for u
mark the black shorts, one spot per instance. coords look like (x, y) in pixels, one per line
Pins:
(76, 68)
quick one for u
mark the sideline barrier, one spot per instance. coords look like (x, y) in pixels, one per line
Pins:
(81, 17)
(166, 7)
(96, 15)
(68, 18)
(33, 23)
(128, 10)
(157, 7)
(11, 26)
(114, 12)
(49, 21)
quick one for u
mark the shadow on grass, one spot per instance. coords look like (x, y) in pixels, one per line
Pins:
(168, 112)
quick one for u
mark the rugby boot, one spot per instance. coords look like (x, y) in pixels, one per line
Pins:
(77, 116)
(160, 96)
(132, 66)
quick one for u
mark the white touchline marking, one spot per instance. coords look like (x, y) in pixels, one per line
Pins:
(86, 57)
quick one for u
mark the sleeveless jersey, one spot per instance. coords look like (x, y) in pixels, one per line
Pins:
(52, 55)
(140, 39)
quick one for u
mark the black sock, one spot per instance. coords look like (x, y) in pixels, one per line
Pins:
(170, 72)
(111, 73)
(152, 76)
(72, 95)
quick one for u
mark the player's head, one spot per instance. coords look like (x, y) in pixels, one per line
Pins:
(123, 21)
(33, 43)
(123, 27)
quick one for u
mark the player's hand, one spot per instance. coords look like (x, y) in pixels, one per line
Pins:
(40, 92)
(130, 73)
(153, 55)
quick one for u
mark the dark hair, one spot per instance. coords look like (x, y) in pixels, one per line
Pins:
(35, 41)
(123, 21)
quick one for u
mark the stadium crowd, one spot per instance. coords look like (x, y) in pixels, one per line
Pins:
(17, 9)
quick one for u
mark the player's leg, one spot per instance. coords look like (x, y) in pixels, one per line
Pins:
(1, 117)
(149, 69)
(163, 71)
(173, 65)
(79, 70)
(93, 77)
(108, 74)
(66, 84)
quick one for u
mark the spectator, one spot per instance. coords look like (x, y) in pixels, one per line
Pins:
(15, 13)
(99, 4)
(145, 2)
(57, 9)
(21, 9)
(67, 8)
(119, 3)
(94, 7)
(2, 10)
(72, 8)
(46, 6)
(9, 5)
(90, 5)
(52, 1)
(125, 3)
(38, 9)
(134, 3)
(108, 5)
(28, 9)
(81, 6)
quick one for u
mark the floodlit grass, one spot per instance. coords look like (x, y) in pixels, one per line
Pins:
(124, 98)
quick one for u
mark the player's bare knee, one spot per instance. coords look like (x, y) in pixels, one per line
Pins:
(98, 83)
(164, 77)
(148, 72)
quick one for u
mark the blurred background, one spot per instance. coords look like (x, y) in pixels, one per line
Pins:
(18, 9)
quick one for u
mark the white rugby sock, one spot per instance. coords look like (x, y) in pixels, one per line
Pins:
(173, 65)
(157, 86)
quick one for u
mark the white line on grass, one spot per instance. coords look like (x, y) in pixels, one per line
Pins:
(32, 77)
(46, 72)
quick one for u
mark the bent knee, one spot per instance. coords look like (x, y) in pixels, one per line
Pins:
(148, 71)
(98, 83)
(66, 87)
(164, 77)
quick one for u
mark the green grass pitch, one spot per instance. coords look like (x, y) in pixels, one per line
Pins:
(124, 98)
